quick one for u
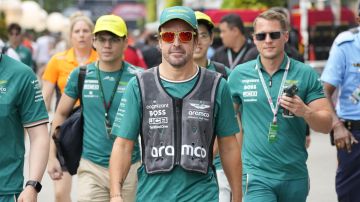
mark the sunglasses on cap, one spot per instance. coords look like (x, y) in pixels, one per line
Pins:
(184, 36)
(262, 36)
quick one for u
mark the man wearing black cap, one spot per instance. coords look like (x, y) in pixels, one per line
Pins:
(342, 72)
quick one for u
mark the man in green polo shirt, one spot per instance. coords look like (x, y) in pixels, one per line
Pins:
(21, 106)
(104, 85)
(273, 151)
(178, 109)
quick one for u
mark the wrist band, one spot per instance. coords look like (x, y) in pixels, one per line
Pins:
(115, 195)
(336, 124)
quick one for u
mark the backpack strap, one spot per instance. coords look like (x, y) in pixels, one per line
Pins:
(219, 67)
(4, 49)
(81, 80)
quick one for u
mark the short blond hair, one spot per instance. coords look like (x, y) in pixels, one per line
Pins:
(273, 15)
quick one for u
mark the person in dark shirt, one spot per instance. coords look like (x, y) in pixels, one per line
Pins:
(235, 42)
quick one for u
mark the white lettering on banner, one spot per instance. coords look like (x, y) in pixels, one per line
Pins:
(186, 150)
(2, 89)
(250, 93)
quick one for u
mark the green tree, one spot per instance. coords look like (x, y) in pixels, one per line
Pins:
(151, 8)
(170, 3)
(252, 4)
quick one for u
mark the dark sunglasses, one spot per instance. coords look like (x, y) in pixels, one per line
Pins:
(262, 36)
(184, 36)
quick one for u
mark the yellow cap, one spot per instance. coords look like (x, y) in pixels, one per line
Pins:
(111, 23)
(202, 16)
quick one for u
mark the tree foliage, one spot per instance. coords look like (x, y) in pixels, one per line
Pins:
(170, 3)
(252, 4)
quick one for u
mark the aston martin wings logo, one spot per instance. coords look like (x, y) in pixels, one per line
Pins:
(200, 106)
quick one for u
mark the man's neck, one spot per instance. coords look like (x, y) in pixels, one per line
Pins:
(272, 65)
(202, 62)
(110, 66)
(238, 44)
(171, 73)
(14, 46)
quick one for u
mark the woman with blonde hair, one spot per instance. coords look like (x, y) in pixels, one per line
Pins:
(55, 77)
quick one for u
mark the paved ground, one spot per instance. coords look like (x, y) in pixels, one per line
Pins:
(321, 163)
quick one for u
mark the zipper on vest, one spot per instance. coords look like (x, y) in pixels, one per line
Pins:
(178, 130)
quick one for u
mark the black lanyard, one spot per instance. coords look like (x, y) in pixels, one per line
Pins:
(108, 105)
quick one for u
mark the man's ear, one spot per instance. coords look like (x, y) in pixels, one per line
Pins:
(94, 43)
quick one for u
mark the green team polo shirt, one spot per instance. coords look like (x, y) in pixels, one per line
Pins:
(211, 66)
(21, 105)
(97, 145)
(180, 185)
(25, 55)
(286, 158)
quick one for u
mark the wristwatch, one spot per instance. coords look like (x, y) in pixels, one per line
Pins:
(37, 186)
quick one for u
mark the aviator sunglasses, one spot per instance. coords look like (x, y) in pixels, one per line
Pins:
(262, 36)
(184, 36)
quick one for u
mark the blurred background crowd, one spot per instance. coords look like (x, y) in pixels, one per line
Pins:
(43, 26)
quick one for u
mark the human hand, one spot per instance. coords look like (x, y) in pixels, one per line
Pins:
(29, 194)
(295, 105)
(343, 138)
(54, 169)
(116, 198)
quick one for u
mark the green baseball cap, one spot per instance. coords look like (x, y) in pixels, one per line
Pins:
(179, 12)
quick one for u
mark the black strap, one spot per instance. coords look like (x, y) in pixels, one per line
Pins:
(4, 49)
(81, 79)
(219, 67)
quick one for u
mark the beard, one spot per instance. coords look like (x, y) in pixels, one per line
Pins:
(180, 60)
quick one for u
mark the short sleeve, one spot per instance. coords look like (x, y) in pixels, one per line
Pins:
(31, 103)
(234, 86)
(334, 70)
(226, 122)
(71, 88)
(315, 89)
(51, 72)
(130, 107)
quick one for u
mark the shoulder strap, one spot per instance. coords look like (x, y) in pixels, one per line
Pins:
(4, 49)
(219, 67)
(81, 79)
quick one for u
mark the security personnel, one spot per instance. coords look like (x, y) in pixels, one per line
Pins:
(342, 72)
